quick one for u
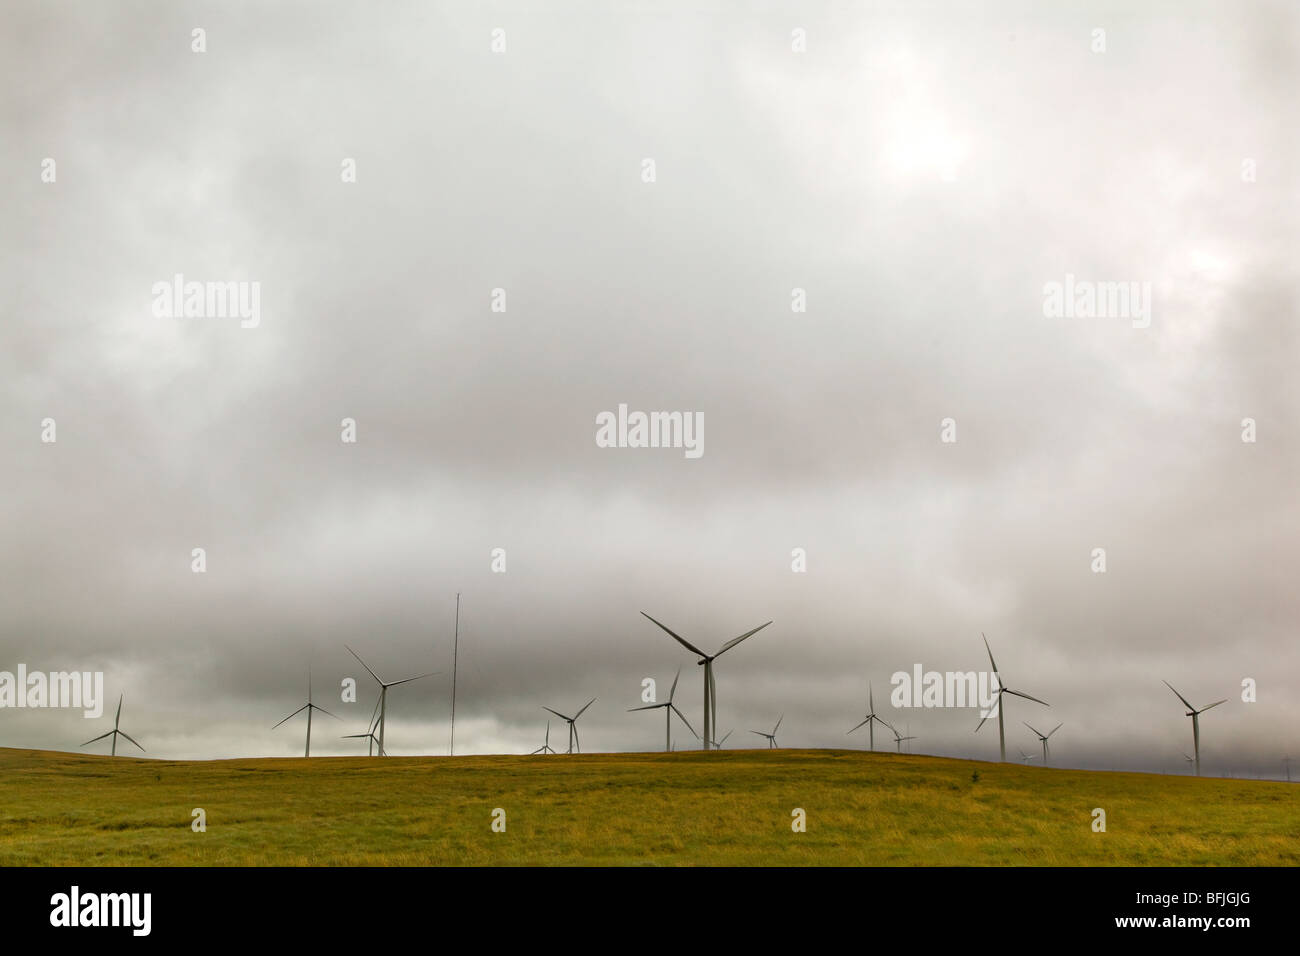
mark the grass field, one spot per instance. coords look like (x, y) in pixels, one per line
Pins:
(729, 808)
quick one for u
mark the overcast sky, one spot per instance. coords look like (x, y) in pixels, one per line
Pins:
(921, 171)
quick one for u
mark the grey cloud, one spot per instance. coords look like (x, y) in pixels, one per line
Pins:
(821, 171)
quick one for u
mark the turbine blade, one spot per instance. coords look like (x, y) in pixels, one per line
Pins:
(673, 690)
(736, 640)
(990, 650)
(684, 720)
(632, 710)
(323, 711)
(676, 637)
(132, 739)
(100, 737)
(584, 707)
(1055, 729)
(1026, 697)
(293, 715)
(1215, 704)
(556, 713)
(1031, 727)
(409, 679)
(867, 721)
(365, 665)
(1179, 696)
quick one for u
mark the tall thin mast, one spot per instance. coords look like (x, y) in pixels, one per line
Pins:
(455, 655)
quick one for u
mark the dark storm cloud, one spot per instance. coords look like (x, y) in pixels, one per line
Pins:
(920, 173)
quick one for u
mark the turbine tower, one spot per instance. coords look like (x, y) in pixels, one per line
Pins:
(383, 696)
(573, 725)
(669, 709)
(706, 660)
(771, 738)
(115, 733)
(309, 707)
(1195, 714)
(455, 662)
(546, 748)
(871, 719)
(1043, 739)
(997, 704)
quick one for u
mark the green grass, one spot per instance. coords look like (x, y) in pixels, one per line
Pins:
(729, 809)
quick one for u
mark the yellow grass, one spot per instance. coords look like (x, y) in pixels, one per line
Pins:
(729, 808)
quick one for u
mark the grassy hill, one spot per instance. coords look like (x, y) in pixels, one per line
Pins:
(729, 808)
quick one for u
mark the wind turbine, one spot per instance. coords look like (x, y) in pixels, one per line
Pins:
(771, 738)
(383, 696)
(114, 733)
(573, 725)
(369, 734)
(370, 747)
(1190, 760)
(706, 660)
(717, 744)
(871, 719)
(1195, 714)
(309, 707)
(1044, 739)
(546, 748)
(997, 704)
(669, 709)
(1026, 757)
(898, 740)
